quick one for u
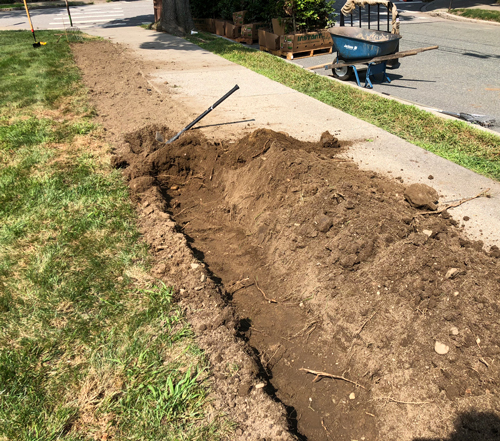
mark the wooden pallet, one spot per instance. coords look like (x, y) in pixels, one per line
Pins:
(265, 49)
(245, 40)
(306, 54)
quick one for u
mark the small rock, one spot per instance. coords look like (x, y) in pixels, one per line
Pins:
(454, 330)
(466, 218)
(427, 232)
(421, 196)
(202, 278)
(352, 396)
(452, 273)
(195, 265)
(260, 385)
(430, 177)
(324, 224)
(174, 187)
(441, 348)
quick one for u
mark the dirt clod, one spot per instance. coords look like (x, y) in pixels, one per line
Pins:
(421, 196)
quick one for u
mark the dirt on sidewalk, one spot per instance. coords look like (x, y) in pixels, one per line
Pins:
(328, 306)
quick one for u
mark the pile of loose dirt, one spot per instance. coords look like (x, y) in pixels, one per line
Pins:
(287, 257)
(329, 269)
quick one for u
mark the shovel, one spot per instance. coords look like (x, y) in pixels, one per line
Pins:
(159, 136)
(36, 43)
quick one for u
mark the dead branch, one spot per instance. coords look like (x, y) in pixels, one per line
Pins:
(187, 208)
(264, 150)
(404, 402)
(305, 328)
(482, 360)
(364, 324)
(239, 285)
(456, 204)
(325, 374)
(264, 294)
(324, 427)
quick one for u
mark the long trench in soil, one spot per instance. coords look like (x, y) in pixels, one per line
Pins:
(327, 269)
(238, 210)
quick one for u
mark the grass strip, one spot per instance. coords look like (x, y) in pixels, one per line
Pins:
(479, 14)
(91, 346)
(457, 141)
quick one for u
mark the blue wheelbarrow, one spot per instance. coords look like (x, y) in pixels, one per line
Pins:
(374, 48)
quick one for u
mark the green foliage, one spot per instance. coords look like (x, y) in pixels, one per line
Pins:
(310, 14)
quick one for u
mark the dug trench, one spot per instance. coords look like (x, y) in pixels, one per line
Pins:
(314, 265)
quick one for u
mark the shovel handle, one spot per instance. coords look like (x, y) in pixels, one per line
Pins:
(205, 113)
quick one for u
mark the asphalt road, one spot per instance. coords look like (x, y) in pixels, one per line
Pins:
(463, 75)
(126, 13)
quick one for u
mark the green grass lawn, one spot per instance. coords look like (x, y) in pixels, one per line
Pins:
(91, 346)
(480, 14)
(454, 140)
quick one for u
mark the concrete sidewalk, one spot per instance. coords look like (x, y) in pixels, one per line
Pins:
(199, 78)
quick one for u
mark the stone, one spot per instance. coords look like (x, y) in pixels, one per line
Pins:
(427, 232)
(195, 265)
(452, 273)
(441, 348)
(421, 196)
(324, 223)
(454, 330)
(352, 396)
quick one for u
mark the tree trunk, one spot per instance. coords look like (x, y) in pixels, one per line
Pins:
(176, 17)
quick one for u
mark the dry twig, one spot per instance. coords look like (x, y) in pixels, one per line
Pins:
(305, 328)
(404, 402)
(264, 294)
(264, 150)
(182, 211)
(326, 374)
(324, 427)
(364, 324)
(239, 285)
(457, 204)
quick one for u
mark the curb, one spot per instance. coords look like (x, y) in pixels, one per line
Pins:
(446, 15)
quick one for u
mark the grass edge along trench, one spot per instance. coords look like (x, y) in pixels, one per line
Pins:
(455, 140)
(91, 346)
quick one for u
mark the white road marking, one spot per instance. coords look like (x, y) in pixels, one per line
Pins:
(89, 16)
(84, 21)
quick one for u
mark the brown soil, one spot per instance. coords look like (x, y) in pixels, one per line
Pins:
(287, 257)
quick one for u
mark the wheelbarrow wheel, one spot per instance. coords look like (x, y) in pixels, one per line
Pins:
(342, 73)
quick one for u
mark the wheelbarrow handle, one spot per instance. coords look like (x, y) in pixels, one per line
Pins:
(205, 113)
